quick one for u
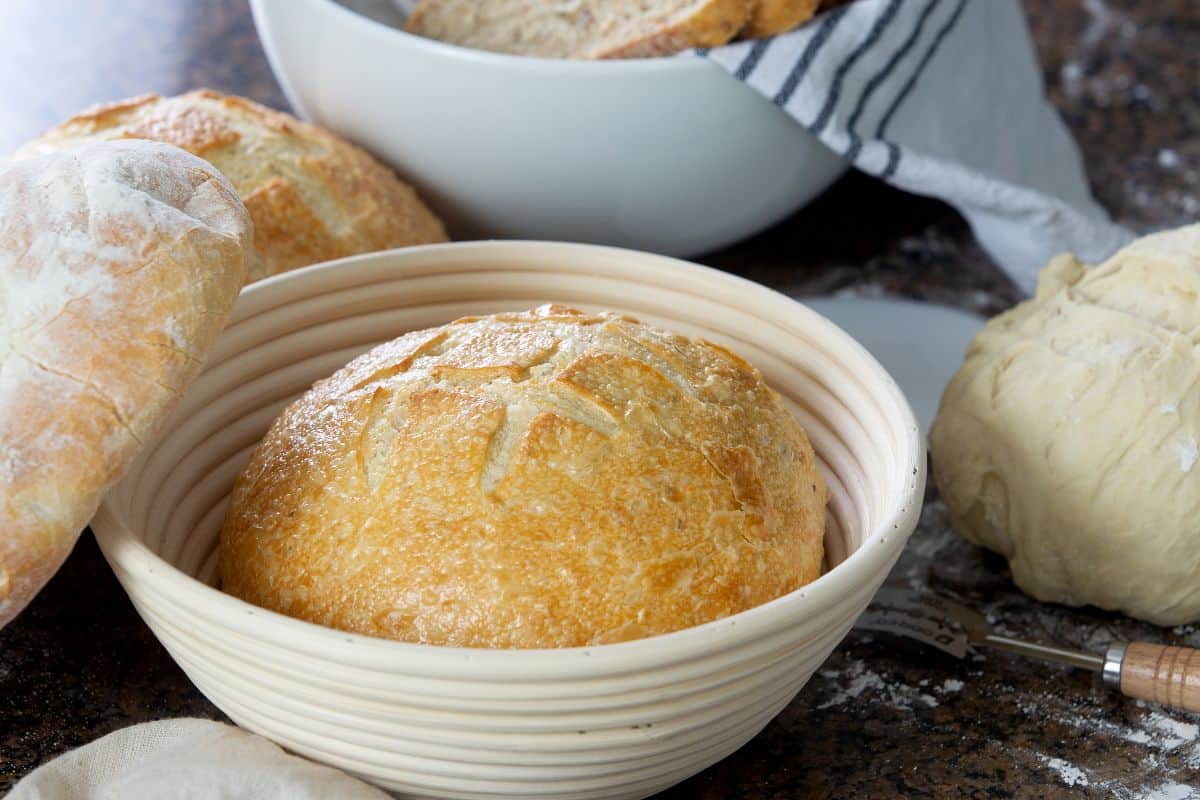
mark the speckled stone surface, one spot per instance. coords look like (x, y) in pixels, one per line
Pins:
(884, 717)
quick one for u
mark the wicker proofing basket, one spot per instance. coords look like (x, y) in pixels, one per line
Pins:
(613, 721)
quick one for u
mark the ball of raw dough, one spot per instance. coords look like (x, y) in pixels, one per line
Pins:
(1068, 440)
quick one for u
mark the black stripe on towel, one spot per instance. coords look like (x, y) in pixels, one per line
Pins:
(835, 91)
(752, 58)
(893, 162)
(855, 140)
(894, 152)
(810, 52)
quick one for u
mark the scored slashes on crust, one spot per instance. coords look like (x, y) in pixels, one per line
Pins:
(541, 479)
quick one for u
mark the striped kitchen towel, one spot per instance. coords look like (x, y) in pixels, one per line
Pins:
(941, 98)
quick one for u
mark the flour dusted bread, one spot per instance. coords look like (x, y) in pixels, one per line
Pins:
(1069, 441)
(118, 265)
(312, 195)
(581, 29)
(541, 479)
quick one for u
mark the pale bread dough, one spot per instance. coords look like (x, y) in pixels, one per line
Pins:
(1068, 441)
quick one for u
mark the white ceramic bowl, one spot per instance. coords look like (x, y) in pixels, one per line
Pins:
(612, 721)
(670, 155)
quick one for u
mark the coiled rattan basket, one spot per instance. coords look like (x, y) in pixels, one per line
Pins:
(613, 721)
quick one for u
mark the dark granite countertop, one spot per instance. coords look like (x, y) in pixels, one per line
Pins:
(884, 717)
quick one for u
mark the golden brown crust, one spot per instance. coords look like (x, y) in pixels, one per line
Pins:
(539, 479)
(312, 195)
(287, 226)
(416, 21)
(118, 264)
(714, 25)
(773, 17)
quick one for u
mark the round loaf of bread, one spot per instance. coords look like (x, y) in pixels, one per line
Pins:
(311, 195)
(118, 265)
(551, 478)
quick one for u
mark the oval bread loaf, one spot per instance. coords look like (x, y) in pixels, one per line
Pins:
(540, 479)
(311, 195)
(118, 265)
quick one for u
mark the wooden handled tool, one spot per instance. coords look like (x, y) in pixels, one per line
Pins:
(1155, 672)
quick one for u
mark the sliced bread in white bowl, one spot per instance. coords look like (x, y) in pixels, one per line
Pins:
(580, 28)
(672, 155)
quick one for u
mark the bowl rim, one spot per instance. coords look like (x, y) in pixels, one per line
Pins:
(131, 558)
(680, 63)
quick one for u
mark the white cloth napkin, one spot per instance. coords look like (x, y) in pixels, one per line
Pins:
(187, 759)
(941, 98)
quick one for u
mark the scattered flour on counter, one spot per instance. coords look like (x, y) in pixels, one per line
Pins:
(1136, 736)
(859, 680)
(1167, 742)
(1173, 733)
(1160, 732)
(1172, 791)
(1071, 775)
(1168, 159)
